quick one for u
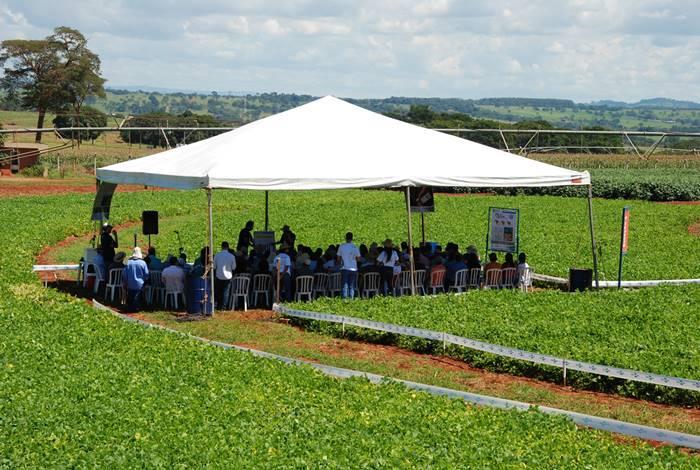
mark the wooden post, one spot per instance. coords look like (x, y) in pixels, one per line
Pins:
(593, 247)
(410, 240)
(210, 261)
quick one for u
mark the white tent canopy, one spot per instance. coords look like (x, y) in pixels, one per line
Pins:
(332, 144)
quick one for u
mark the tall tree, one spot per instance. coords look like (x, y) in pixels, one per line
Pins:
(52, 73)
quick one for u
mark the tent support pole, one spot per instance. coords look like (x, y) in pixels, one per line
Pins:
(210, 261)
(593, 247)
(410, 240)
(267, 209)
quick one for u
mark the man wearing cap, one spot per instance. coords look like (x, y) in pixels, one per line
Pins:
(135, 274)
(348, 255)
(107, 243)
(288, 237)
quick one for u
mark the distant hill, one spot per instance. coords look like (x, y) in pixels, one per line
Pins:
(652, 114)
(661, 103)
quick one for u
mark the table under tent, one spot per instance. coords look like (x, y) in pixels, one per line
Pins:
(332, 144)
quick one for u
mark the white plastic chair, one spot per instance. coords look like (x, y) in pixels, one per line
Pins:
(239, 290)
(154, 286)
(96, 274)
(508, 277)
(370, 284)
(419, 276)
(320, 284)
(304, 287)
(114, 285)
(403, 284)
(493, 279)
(525, 280)
(474, 278)
(173, 296)
(261, 286)
(334, 284)
(460, 282)
(437, 281)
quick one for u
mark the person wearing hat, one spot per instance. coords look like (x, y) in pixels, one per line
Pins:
(107, 243)
(304, 266)
(135, 275)
(387, 259)
(288, 237)
(117, 261)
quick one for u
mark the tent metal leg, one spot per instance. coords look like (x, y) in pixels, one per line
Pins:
(593, 247)
(267, 209)
(210, 261)
(410, 240)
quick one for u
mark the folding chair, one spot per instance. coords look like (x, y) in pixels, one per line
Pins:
(508, 277)
(114, 285)
(261, 286)
(240, 285)
(474, 278)
(320, 284)
(437, 281)
(493, 279)
(370, 284)
(304, 287)
(460, 282)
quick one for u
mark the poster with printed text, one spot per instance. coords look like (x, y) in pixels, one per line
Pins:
(503, 230)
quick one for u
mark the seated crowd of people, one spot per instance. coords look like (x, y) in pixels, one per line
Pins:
(441, 267)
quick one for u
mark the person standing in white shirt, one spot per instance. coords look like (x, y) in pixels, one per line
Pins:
(282, 266)
(224, 266)
(348, 255)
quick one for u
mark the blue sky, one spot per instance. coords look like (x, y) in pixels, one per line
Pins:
(579, 49)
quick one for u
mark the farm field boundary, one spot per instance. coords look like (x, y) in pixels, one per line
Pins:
(513, 353)
(602, 424)
(650, 283)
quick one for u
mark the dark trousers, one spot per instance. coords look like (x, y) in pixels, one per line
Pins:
(222, 287)
(348, 280)
(285, 283)
(133, 300)
(387, 275)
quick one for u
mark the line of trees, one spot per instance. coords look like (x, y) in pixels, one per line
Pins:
(54, 74)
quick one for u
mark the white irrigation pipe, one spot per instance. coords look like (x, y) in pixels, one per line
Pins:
(603, 424)
(513, 353)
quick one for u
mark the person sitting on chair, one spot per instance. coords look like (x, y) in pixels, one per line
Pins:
(117, 262)
(173, 277)
(492, 264)
(135, 275)
(523, 268)
(304, 266)
(154, 263)
(508, 263)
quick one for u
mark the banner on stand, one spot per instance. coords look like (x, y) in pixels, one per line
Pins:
(503, 234)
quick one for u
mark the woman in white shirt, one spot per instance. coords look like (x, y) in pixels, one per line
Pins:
(387, 259)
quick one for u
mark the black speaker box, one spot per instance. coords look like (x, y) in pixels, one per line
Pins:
(150, 222)
(580, 279)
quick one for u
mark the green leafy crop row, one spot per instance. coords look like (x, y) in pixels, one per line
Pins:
(650, 330)
(82, 388)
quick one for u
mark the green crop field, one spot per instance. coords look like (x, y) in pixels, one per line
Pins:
(82, 388)
(554, 231)
(650, 330)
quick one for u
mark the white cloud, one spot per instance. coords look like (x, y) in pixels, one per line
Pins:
(579, 49)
